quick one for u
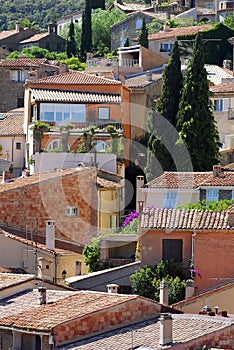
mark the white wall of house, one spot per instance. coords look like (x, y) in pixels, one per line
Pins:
(13, 149)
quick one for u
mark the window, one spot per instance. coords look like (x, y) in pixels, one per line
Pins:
(71, 211)
(103, 113)
(221, 105)
(172, 249)
(20, 102)
(47, 46)
(232, 194)
(209, 6)
(18, 145)
(166, 47)
(18, 75)
(100, 146)
(55, 145)
(124, 27)
(212, 195)
(123, 41)
(138, 23)
(170, 200)
(58, 112)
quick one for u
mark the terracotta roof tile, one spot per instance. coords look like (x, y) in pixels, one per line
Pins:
(11, 123)
(126, 6)
(36, 178)
(192, 180)
(175, 32)
(146, 335)
(140, 81)
(24, 62)
(223, 88)
(11, 279)
(34, 244)
(182, 219)
(6, 33)
(75, 77)
(73, 96)
(69, 16)
(74, 306)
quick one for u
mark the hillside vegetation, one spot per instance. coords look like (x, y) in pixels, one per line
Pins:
(40, 12)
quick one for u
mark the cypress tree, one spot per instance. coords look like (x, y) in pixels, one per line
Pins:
(196, 123)
(161, 147)
(143, 37)
(71, 43)
(86, 36)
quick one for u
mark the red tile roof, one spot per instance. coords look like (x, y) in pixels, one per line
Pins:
(72, 96)
(183, 219)
(11, 279)
(192, 180)
(223, 88)
(23, 62)
(6, 33)
(175, 32)
(37, 178)
(11, 123)
(75, 77)
(71, 307)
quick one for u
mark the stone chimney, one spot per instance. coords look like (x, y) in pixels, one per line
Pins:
(140, 197)
(149, 75)
(227, 64)
(165, 335)
(42, 297)
(17, 27)
(189, 289)
(216, 170)
(112, 288)
(163, 299)
(50, 225)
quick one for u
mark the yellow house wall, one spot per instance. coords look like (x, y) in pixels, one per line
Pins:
(68, 263)
(223, 299)
(108, 205)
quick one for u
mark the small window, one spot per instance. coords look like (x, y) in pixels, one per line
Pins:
(138, 23)
(218, 105)
(71, 211)
(123, 41)
(124, 27)
(212, 195)
(232, 194)
(18, 145)
(20, 102)
(170, 200)
(103, 113)
(166, 47)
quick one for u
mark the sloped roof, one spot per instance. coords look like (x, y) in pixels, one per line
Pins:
(223, 88)
(75, 77)
(146, 335)
(23, 62)
(74, 306)
(44, 95)
(192, 180)
(129, 7)
(11, 123)
(7, 33)
(184, 219)
(35, 38)
(175, 32)
(140, 81)
(11, 279)
(216, 74)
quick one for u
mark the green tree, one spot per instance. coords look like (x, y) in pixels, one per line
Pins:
(167, 106)
(71, 43)
(143, 37)
(229, 21)
(223, 204)
(86, 38)
(195, 118)
(92, 255)
(38, 130)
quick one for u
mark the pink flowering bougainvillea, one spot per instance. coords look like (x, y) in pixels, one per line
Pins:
(133, 215)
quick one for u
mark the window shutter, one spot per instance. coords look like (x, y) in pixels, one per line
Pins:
(225, 104)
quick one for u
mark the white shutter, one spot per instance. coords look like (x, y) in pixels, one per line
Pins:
(225, 104)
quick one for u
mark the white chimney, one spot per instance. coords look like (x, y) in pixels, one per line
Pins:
(216, 170)
(42, 297)
(140, 196)
(149, 75)
(189, 289)
(112, 288)
(164, 292)
(50, 224)
(165, 336)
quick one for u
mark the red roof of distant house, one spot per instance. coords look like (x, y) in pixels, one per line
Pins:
(175, 32)
(223, 88)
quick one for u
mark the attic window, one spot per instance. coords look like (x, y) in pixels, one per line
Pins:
(71, 211)
(138, 23)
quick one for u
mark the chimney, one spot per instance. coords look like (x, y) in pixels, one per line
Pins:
(216, 170)
(50, 234)
(3, 176)
(189, 289)
(140, 197)
(112, 288)
(227, 64)
(17, 27)
(149, 75)
(42, 297)
(163, 292)
(165, 336)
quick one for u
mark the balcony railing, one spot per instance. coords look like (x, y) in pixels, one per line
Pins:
(100, 125)
(128, 62)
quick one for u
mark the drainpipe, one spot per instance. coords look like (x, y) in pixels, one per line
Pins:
(193, 239)
(55, 267)
(12, 149)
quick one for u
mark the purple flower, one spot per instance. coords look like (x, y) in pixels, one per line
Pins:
(196, 273)
(133, 215)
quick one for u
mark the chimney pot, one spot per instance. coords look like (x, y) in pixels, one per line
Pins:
(165, 337)
(50, 234)
(42, 297)
(189, 289)
(216, 170)
(112, 288)
(164, 292)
